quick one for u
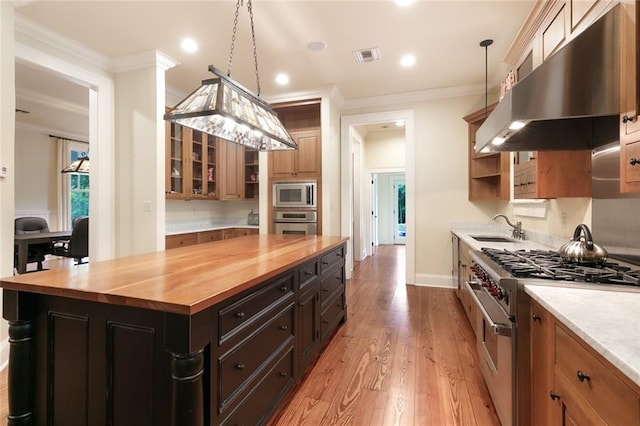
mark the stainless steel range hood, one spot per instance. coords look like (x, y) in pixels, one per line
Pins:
(569, 102)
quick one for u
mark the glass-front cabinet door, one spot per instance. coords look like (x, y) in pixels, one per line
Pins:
(203, 166)
(175, 163)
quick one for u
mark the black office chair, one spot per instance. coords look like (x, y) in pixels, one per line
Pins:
(77, 247)
(37, 252)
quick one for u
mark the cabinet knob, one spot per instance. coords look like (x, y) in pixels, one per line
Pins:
(554, 395)
(582, 377)
(283, 327)
(634, 161)
(284, 289)
(536, 318)
(239, 366)
(283, 374)
(627, 118)
(240, 314)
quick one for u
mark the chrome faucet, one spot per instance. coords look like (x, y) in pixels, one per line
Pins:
(517, 233)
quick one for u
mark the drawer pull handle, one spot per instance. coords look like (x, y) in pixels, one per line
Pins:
(283, 374)
(284, 288)
(634, 161)
(325, 263)
(240, 314)
(536, 318)
(308, 273)
(554, 395)
(326, 290)
(239, 366)
(627, 119)
(325, 322)
(582, 377)
(283, 327)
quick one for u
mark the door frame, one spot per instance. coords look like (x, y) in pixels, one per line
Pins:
(346, 197)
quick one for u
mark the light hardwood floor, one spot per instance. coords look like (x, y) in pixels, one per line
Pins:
(405, 356)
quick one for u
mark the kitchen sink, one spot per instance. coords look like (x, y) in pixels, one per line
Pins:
(493, 239)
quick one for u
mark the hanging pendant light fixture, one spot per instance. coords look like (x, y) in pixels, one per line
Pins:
(81, 165)
(221, 107)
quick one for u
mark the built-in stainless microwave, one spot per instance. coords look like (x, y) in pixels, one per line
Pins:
(296, 194)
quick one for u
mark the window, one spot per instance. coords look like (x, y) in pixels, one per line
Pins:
(78, 190)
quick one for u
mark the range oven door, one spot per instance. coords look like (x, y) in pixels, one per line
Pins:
(495, 344)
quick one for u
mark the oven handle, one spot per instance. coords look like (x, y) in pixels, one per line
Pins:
(496, 327)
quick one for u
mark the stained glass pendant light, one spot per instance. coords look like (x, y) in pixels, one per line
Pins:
(221, 107)
(81, 165)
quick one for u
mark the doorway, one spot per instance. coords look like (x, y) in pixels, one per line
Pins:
(399, 215)
(349, 122)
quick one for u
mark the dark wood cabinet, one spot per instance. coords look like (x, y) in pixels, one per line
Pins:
(233, 362)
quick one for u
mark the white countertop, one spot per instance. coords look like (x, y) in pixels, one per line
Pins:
(187, 227)
(532, 241)
(609, 321)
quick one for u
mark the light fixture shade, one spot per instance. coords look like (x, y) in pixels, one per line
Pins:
(81, 165)
(223, 108)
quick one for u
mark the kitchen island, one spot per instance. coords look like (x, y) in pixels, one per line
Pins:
(217, 333)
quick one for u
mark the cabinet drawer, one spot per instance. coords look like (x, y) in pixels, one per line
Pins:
(241, 363)
(265, 394)
(181, 240)
(308, 272)
(237, 315)
(330, 284)
(209, 236)
(632, 168)
(332, 258)
(331, 316)
(613, 400)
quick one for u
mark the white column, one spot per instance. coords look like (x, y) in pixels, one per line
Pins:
(139, 152)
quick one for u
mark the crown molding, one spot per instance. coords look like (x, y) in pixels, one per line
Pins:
(50, 101)
(31, 29)
(414, 97)
(331, 92)
(539, 12)
(146, 59)
(51, 130)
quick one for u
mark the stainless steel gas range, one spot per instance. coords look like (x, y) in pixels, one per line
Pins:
(503, 310)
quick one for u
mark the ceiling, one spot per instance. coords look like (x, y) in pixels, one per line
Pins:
(443, 35)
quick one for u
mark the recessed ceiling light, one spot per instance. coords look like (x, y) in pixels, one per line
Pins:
(404, 3)
(317, 45)
(408, 61)
(189, 45)
(282, 79)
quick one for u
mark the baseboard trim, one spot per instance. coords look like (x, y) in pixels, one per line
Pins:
(432, 280)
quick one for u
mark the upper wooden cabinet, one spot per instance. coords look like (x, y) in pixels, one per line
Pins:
(302, 120)
(552, 174)
(202, 167)
(191, 159)
(488, 173)
(629, 99)
(231, 171)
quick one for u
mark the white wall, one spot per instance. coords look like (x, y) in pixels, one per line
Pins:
(385, 150)
(7, 129)
(35, 164)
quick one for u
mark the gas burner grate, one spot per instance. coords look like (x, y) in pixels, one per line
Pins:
(547, 264)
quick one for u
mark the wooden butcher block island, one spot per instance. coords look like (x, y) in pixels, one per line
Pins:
(216, 333)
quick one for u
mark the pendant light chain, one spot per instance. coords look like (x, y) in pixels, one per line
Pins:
(253, 39)
(255, 49)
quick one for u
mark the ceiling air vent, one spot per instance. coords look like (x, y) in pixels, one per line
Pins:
(367, 55)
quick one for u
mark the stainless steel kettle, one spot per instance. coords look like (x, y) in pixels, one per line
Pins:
(582, 249)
